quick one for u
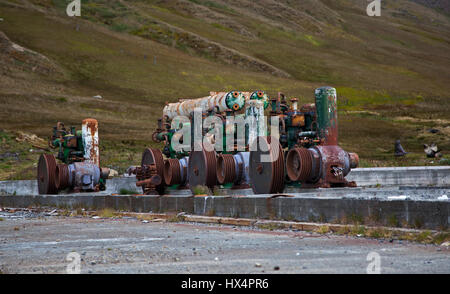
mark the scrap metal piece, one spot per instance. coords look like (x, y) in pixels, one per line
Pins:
(46, 174)
(267, 177)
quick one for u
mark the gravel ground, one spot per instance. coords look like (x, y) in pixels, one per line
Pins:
(32, 242)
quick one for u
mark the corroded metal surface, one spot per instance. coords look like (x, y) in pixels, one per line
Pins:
(90, 140)
(46, 174)
(152, 156)
(172, 171)
(216, 102)
(202, 169)
(326, 106)
(62, 176)
(226, 170)
(267, 177)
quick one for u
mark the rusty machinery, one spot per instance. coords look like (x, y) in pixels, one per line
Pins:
(306, 153)
(307, 150)
(189, 169)
(78, 152)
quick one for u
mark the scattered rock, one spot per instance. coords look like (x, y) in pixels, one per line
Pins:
(216, 259)
(276, 268)
(445, 244)
(433, 131)
(257, 265)
(145, 221)
(97, 97)
(443, 197)
(96, 217)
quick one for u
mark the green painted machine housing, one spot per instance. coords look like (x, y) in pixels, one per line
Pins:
(326, 107)
(69, 143)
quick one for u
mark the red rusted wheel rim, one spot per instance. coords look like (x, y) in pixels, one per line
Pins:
(46, 174)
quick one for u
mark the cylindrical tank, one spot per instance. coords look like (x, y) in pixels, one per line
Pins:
(216, 101)
(89, 131)
(329, 163)
(258, 95)
(326, 107)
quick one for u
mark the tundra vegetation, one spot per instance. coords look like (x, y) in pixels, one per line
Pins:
(391, 72)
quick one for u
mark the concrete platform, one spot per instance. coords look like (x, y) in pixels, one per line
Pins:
(414, 197)
(418, 176)
(399, 207)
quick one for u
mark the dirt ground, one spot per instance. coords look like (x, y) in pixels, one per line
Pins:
(35, 243)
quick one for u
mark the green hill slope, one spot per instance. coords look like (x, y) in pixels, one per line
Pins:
(391, 72)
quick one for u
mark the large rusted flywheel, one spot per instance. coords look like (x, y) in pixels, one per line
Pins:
(202, 169)
(155, 156)
(46, 174)
(267, 176)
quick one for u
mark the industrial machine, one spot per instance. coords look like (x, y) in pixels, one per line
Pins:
(78, 151)
(307, 152)
(303, 153)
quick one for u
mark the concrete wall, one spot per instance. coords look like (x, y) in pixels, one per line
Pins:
(401, 176)
(370, 211)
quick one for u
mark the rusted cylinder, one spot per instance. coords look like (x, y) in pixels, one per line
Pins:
(216, 102)
(89, 129)
(175, 171)
(329, 163)
(62, 176)
(302, 165)
(172, 174)
(226, 171)
(233, 168)
(257, 95)
(326, 107)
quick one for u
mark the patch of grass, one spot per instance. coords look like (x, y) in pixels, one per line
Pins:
(270, 226)
(107, 213)
(323, 230)
(1, 219)
(201, 190)
(124, 191)
(176, 218)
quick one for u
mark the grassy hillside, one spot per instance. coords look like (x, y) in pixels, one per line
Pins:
(391, 72)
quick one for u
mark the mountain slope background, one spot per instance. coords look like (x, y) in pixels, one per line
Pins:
(391, 72)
